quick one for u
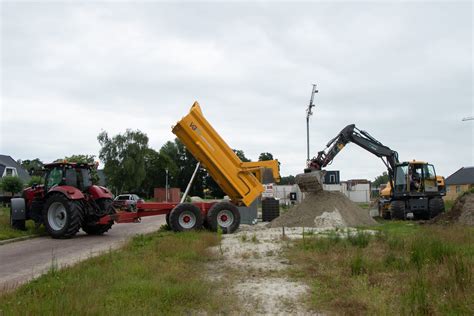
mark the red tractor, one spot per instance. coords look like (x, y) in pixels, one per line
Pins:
(66, 202)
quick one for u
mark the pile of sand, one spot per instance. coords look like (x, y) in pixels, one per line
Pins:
(462, 212)
(324, 209)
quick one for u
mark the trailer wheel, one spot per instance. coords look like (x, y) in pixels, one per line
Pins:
(62, 217)
(106, 207)
(184, 217)
(398, 209)
(224, 215)
(168, 220)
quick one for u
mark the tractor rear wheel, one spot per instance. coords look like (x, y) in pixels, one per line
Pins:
(92, 228)
(436, 206)
(62, 217)
(184, 217)
(224, 215)
(398, 209)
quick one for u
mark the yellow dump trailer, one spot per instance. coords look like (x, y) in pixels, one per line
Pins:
(241, 181)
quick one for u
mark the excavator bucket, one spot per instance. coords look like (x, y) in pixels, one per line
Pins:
(311, 181)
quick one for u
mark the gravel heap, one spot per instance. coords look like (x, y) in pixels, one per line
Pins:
(324, 209)
(462, 212)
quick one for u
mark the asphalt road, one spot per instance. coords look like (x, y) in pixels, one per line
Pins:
(24, 260)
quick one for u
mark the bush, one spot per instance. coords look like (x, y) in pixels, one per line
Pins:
(11, 184)
(35, 180)
(360, 239)
(358, 265)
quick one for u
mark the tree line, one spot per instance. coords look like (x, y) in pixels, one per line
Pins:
(130, 165)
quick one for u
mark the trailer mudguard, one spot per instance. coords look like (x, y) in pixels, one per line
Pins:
(18, 209)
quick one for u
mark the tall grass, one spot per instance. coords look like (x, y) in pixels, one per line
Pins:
(418, 270)
(6, 232)
(161, 273)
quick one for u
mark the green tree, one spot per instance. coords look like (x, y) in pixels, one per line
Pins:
(382, 179)
(80, 158)
(11, 184)
(241, 155)
(265, 156)
(35, 180)
(156, 164)
(86, 159)
(185, 164)
(289, 180)
(32, 166)
(124, 158)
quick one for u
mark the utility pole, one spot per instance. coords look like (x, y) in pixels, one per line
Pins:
(309, 112)
(469, 118)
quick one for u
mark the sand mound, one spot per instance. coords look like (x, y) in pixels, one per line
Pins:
(462, 212)
(324, 209)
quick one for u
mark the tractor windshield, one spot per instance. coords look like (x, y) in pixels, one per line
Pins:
(54, 177)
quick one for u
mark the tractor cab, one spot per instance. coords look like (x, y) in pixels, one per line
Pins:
(68, 174)
(415, 178)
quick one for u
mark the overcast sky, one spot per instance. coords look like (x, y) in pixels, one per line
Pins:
(401, 71)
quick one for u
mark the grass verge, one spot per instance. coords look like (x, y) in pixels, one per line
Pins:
(403, 269)
(6, 232)
(160, 273)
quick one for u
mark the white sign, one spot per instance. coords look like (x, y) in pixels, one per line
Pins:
(268, 190)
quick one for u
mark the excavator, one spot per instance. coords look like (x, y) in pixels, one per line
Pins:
(413, 190)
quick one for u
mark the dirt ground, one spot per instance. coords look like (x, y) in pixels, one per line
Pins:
(251, 261)
(462, 212)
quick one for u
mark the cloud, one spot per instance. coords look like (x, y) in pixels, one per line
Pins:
(401, 71)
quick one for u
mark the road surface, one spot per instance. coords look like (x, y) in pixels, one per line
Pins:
(24, 260)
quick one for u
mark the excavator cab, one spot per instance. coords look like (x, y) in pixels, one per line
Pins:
(415, 178)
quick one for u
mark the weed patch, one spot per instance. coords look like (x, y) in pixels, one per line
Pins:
(403, 269)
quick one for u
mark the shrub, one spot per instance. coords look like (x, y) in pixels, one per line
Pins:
(11, 184)
(358, 265)
(360, 239)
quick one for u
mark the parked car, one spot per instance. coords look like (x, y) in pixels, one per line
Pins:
(127, 202)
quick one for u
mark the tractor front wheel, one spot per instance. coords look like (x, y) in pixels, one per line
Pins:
(184, 217)
(62, 217)
(106, 207)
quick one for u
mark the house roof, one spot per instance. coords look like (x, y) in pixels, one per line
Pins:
(7, 161)
(465, 175)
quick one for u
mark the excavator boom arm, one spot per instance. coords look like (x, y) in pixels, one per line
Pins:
(351, 134)
(311, 180)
